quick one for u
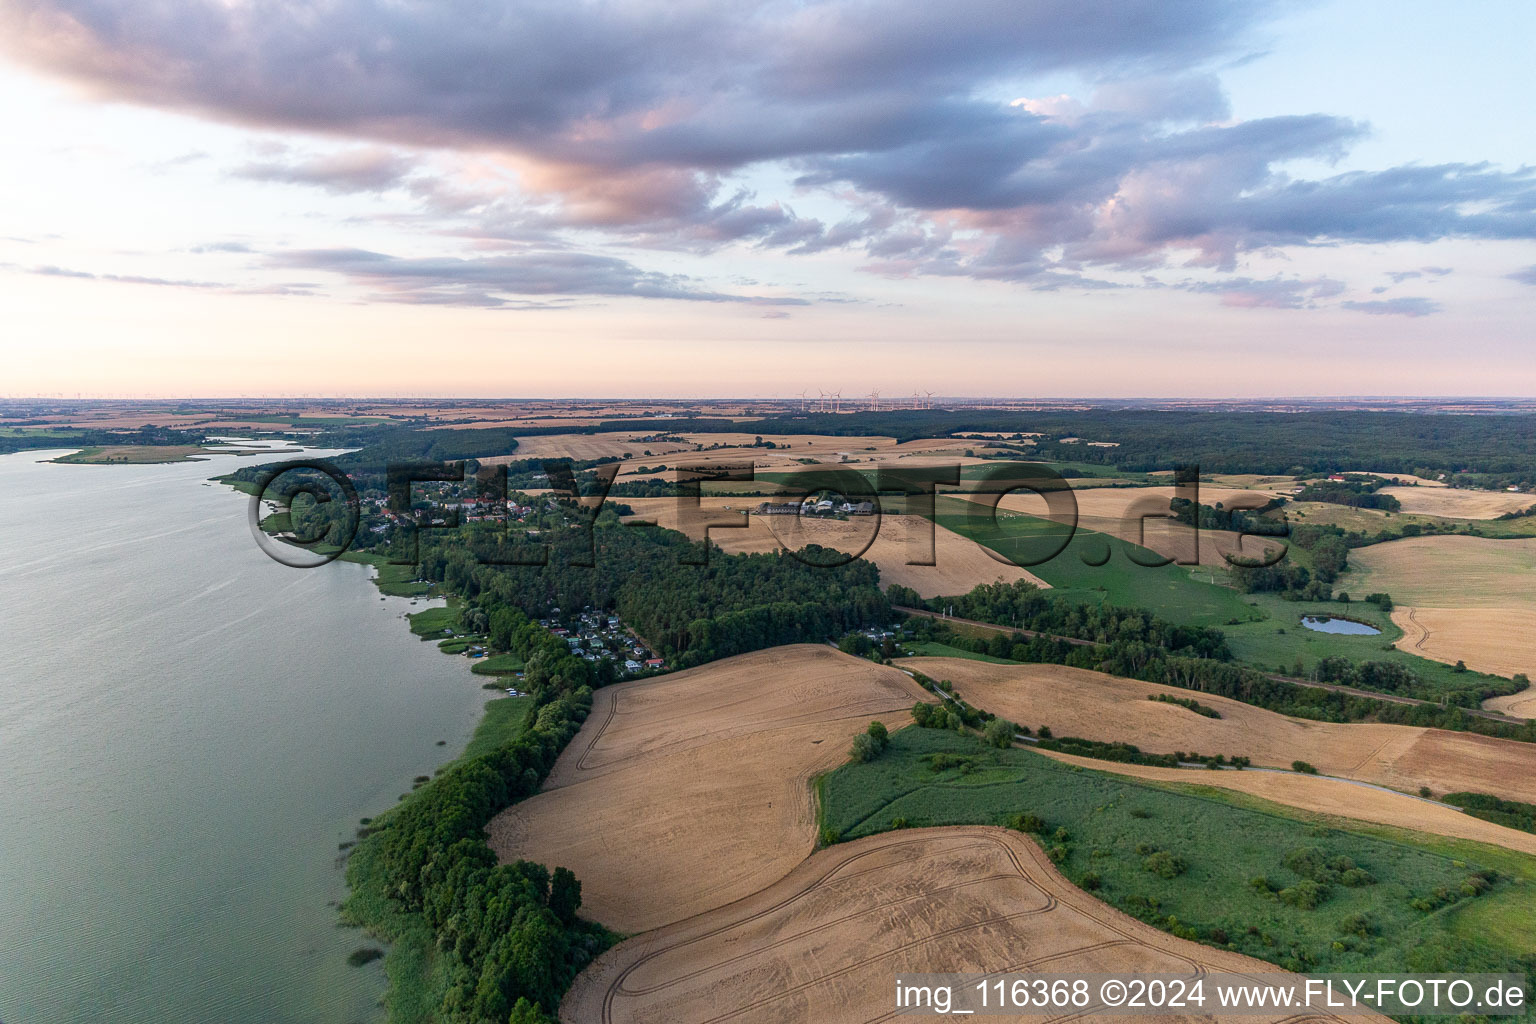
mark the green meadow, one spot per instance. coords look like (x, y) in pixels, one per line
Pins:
(1297, 890)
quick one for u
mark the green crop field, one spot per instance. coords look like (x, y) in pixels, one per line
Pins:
(1186, 859)
(1169, 591)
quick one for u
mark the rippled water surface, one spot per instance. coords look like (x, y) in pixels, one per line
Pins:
(187, 731)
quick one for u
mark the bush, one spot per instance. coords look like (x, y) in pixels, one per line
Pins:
(1092, 881)
(999, 733)
(879, 733)
(1304, 767)
(1359, 925)
(1426, 792)
(365, 955)
(1304, 895)
(1045, 732)
(864, 749)
(1031, 824)
(1164, 864)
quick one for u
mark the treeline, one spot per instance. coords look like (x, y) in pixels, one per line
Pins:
(71, 437)
(508, 934)
(1023, 606)
(1501, 447)
(1509, 813)
(1216, 517)
(1326, 549)
(1355, 491)
(1154, 664)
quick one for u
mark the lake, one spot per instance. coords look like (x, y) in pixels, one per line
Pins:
(1328, 624)
(187, 732)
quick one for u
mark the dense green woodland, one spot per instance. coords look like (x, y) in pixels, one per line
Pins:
(70, 437)
(1486, 450)
(690, 613)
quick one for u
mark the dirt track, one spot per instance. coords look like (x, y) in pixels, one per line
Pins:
(1091, 705)
(683, 793)
(824, 943)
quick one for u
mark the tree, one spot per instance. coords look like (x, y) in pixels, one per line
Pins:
(564, 894)
(864, 748)
(999, 732)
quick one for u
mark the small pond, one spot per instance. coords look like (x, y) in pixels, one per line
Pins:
(1325, 624)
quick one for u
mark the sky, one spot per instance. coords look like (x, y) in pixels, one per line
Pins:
(673, 199)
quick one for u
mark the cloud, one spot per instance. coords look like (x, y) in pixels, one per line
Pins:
(367, 169)
(490, 281)
(1526, 276)
(1404, 306)
(640, 123)
(1274, 293)
(52, 271)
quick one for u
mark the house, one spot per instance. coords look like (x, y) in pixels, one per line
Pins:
(631, 665)
(654, 663)
(862, 508)
(773, 508)
(1336, 479)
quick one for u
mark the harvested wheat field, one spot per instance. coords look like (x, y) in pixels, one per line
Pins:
(826, 942)
(1458, 598)
(1459, 503)
(1340, 798)
(1449, 572)
(686, 792)
(1497, 640)
(888, 541)
(1095, 706)
(590, 446)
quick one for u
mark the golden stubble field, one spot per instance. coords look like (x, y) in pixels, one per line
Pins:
(1466, 599)
(687, 792)
(826, 942)
(1095, 706)
(1459, 503)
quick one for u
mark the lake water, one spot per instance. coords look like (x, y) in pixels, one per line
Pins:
(1320, 624)
(187, 731)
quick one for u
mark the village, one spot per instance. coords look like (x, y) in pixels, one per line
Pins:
(594, 636)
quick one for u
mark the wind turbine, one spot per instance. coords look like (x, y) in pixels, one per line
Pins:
(802, 400)
(874, 398)
(837, 399)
